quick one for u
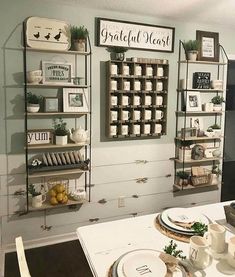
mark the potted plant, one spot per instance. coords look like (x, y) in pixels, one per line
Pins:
(191, 49)
(33, 102)
(60, 131)
(37, 197)
(182, 178)
(117, 53)
(185, 150)
(209, 132)
(216, 130)
(214, 176)
(217, 103)
(78, 37)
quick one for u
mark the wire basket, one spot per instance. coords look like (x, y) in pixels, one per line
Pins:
(58, 189)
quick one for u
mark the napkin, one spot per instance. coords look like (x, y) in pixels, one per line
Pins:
(171, 262)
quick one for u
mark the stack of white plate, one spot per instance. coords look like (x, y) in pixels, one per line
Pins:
(143, 262)
(172, 218)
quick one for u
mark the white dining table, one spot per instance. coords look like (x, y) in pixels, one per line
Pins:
(103, 243)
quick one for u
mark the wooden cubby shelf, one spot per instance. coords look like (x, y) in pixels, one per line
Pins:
(56, 173)
(139, 89)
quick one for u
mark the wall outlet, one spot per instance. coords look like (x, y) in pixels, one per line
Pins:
(121, 201)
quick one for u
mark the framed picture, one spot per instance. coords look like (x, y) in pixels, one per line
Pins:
(75, 100)
(196, 122)
(57, 73)
(40, 137)
(51, 104)
(111, 32)
(193, 101)
(209, 46)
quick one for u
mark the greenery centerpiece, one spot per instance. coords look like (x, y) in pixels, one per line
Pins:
(61, 132)
(33, 102)
(191, 49)
(79, 35)
(117, 52)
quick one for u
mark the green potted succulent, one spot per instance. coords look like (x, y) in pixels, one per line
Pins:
(37, 197)
(117, 52)
(209, 132)
(217, 103)
(216, 130)
(191, 49)
(182, 178)
(33, 102)
(61, 132)
(79, 36)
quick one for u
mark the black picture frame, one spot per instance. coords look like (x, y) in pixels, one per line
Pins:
(208, 46)
(137, 35)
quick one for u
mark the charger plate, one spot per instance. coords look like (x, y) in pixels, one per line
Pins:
(180, 270)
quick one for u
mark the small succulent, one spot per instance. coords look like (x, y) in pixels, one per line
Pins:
(60, 127)
(171, 249)
(217, 100)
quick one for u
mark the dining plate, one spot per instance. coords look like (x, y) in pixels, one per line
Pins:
(197, 216)
(182, 215)
(141, 262)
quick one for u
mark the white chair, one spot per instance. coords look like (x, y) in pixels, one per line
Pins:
(24, 271)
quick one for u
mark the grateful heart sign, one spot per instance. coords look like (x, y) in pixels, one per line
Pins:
(135, 35)
(39, 137)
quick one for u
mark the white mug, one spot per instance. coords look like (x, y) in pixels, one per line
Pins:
(113, 85)
(158, 128)
(138, 70)
(147, 129)
(149, 71)
(159, 114)
(148, 85)
(113, 69)
(159, 100)
(126, 70)
(114, 115)
(38, 200)
(124, 130)
(113, 100)
(125, 115)
(113, 130)
(126, 85)
(147, 100)
(147, 114)
(136, 115)
(137, 85)
(216, 237)
(199, 254)
(160, 71)
(136, 129)
(125, 100)
(136, 100)
(159, 86)
(231, 252)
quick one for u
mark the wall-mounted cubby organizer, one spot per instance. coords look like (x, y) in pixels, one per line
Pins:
(137, 99)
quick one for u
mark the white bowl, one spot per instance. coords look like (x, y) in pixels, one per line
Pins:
(34, 73)
(34, 79)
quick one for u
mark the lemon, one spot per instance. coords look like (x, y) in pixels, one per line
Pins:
(60, 188)
(65, 199)
(52, 193)
(59, 197)
(53, 201)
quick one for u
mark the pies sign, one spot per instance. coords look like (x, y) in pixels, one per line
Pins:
(45, 33)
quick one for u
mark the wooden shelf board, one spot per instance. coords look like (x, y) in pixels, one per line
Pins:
(180, 113)
(55, 86)
(54, 146)
(202, 62)
(47, 206)
(57, 114)
(57, 173)
(138, 77)
(70, 52)
(204, 160)
(198, 138)
(189, 189)
(201, 90)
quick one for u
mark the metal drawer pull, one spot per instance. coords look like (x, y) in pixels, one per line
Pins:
(141, 161)
(102, 201)
(94, 219)
(142, 180)
(20, 192)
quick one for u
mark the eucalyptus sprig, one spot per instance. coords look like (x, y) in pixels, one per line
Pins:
(171, 250)
(199, 228)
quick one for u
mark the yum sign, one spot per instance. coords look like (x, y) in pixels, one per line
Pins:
(135, 35)
(36, 137)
